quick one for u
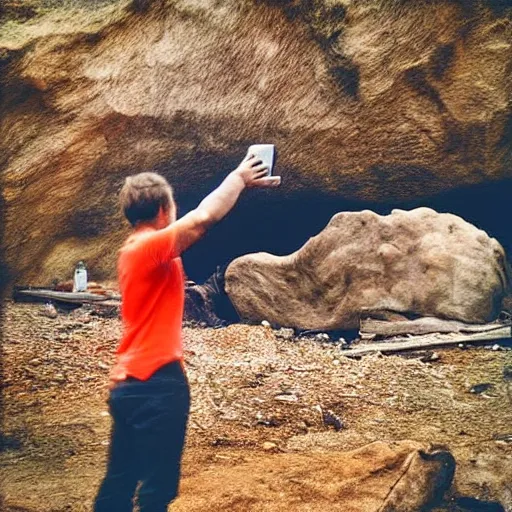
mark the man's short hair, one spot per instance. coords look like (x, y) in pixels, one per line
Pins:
(142, 196)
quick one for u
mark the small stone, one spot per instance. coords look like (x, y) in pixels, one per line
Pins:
(286, 398)
(461, 345)
(104, 413)
(480, 388)
(330, 418)
(268, 446)
(265, 323)
(504, 438)
(428, 357)
(35, 362)
(336, 362)
(496, 347)
(103, 366)
(285, 333)
(49, 311)
(59, 378)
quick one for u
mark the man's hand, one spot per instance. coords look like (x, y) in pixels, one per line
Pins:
(254, 173)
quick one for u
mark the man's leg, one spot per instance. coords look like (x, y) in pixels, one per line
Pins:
(161, 445)
(118, 487)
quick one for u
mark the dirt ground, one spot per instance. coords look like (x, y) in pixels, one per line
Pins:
(256, 397)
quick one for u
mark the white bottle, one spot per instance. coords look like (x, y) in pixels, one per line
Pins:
(80, 280)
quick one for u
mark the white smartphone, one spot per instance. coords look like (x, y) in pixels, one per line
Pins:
(266, 153)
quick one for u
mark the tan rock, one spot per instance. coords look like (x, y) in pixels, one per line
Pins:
(268, 446)
(380, 477)
(418, 261)
(369, 101)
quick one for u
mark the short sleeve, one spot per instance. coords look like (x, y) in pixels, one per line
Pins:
(160, 246)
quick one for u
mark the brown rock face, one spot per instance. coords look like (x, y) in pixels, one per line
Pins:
(419, 261)
(380, 477)
(373, 101)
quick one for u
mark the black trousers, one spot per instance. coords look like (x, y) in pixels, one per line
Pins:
(148, 434)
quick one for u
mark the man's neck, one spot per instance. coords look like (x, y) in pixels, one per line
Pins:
(145, 226)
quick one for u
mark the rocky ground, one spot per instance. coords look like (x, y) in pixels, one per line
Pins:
(258, 394)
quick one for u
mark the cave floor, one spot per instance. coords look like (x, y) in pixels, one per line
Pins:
(249, 389)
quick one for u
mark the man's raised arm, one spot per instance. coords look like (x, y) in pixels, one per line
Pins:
(192, 226)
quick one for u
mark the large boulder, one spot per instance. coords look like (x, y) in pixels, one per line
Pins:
(419, 261)
(380, 477)
(373, 101)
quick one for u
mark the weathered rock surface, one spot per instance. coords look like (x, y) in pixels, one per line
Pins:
(418, 261)
(374, 101)
(380, 477)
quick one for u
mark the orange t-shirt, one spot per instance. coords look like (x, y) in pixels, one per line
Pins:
(151, 281)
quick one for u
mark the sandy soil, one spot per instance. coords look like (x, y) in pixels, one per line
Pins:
(250, 388)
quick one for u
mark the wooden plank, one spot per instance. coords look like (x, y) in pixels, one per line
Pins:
(428, 342)
(75, 298)
(422, 326)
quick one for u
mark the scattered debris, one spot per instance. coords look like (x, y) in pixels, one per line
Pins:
(507, 438)
(343, 343)
(430, 357)
(285, 333)
(63, 286)
(286, 398)
(49, 310)
(271, 422)
(305, 368)
(425, 356)
(480, 388)
(222, 441)
(268, 446)
(331, 419)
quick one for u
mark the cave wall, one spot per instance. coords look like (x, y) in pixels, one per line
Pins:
(371, 103)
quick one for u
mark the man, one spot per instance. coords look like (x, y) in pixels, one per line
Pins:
(149, 398)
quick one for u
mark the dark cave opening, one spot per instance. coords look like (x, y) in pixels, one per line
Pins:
(268, 222)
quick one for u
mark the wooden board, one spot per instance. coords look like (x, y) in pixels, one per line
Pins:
(429, 342)
(75, 298)
(422, 326)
